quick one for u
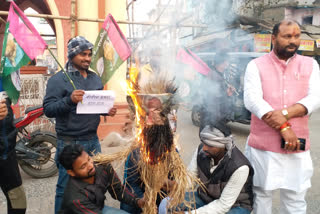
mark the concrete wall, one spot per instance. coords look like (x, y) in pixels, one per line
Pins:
(279, 9)
(275, 14)
(279, 2)
(118, 10)
(88, 9)
(62, 27)
(299, 14)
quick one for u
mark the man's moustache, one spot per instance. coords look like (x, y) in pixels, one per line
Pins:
(207, 154)
(292, 46)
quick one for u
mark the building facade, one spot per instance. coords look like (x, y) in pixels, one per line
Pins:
(303, 11)
(65, 29)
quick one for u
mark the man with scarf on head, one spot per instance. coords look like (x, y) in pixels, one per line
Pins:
(281, 89)
(61, 100)
(225, 172)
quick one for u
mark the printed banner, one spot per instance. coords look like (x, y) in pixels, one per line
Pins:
(262, 42)
(306, 45)
(318, 43)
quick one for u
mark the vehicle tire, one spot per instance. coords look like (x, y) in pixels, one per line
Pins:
(196, 115)
(45, 143)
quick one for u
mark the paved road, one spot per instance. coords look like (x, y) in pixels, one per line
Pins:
(40, 192)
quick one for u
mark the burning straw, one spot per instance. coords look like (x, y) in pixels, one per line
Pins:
(159, 160)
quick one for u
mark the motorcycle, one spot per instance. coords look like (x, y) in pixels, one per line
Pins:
(35, 150)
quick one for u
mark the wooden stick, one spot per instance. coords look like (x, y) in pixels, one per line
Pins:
(1, 19)
(70, 80)
(102, 20)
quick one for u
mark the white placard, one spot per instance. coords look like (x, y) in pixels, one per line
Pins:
(3, 95)
(96, 102)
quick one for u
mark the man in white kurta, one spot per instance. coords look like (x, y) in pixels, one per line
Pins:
(273, 95)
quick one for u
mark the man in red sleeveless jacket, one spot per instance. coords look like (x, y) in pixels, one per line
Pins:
(281, 89)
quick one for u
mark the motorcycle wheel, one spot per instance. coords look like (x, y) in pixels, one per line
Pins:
(46, 144)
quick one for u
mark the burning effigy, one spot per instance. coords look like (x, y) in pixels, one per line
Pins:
(159, 158)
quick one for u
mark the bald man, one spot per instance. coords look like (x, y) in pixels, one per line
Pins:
(281, 89)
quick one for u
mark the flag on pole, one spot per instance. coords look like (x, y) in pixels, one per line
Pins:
(194, 72)
(21, 44)
(111, 49)
(186, 56)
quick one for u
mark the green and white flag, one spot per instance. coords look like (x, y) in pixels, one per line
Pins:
(21, 44)
(111, 49)
(13, 58)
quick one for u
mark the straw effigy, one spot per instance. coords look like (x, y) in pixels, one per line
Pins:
(159, 159)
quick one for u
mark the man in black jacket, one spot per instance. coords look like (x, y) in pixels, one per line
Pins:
(86, 188)
(225, 172)
(61, 102)
(10, 179)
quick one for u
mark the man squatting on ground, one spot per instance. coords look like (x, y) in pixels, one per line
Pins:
(281, 89)
(225, 172)
(61, 101)
(88, 183)
(10, 179)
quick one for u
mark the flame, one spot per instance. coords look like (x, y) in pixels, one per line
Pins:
(141, 119)
(140, 113)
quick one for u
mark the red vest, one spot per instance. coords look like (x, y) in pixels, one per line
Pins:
(283, 85)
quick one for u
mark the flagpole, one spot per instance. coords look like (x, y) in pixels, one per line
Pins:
(70, 80)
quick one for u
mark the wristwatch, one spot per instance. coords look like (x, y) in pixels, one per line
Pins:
(285, 113)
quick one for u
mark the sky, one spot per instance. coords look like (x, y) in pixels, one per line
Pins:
(41, 28)
(143, 7)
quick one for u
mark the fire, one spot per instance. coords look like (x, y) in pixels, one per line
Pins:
(140, 113)
(153, 131)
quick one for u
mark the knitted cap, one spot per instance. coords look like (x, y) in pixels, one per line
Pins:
(78, 44)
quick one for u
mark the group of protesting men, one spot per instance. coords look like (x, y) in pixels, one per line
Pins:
(281, 90)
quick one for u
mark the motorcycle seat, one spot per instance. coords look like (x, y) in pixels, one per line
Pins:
(15, 121)
(29, 109)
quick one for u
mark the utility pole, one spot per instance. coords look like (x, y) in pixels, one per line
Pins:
(132, 14)
(131, 26)
(158, 14)
(174, 35)
(73, 18)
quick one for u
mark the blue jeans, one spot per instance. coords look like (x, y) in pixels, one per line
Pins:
(112, 210)
(90, 146)
(198, 203)
(238, 210)
(131, 176)
(130, 209)
(192, 196)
